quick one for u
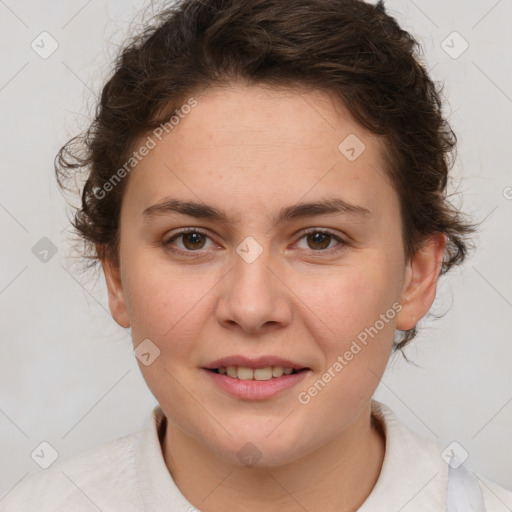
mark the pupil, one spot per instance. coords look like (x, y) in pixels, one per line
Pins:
(194, 238)
(320, 238)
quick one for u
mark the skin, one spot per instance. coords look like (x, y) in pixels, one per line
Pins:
(252, 150)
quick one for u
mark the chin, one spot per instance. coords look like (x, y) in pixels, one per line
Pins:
(255, 448)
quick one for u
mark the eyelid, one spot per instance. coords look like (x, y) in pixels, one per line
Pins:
(185, 231)
(327, 231)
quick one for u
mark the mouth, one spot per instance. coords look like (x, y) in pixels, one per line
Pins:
(261, 374)
(259, 383)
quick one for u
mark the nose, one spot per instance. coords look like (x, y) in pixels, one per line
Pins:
(253, 296)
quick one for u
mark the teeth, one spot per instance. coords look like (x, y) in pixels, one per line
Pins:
(262, 373)
(244, 373)
(277, 371)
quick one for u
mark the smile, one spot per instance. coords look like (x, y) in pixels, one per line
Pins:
(246, 373)
(255, 384)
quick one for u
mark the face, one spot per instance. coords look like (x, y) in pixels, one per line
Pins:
(270, 277)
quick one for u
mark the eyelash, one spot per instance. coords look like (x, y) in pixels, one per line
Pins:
(179, 234)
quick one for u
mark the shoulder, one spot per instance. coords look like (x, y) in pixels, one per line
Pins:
(103, 478)
(496, 498)
(417, 466)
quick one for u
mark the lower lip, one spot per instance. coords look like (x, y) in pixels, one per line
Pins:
(256, 389)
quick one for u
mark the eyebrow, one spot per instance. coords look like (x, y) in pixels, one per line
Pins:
(300, 210)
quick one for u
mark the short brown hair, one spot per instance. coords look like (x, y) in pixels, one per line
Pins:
(347, 47)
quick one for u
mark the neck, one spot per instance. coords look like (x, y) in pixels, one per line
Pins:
(337, 476)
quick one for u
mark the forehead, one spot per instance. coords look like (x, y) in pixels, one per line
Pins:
(256, 146)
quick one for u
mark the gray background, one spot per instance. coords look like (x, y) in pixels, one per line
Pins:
(67, 372)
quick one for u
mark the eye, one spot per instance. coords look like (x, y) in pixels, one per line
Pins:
(193, 239)
(318, 240)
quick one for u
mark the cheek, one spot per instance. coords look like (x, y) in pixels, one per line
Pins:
(349, 299)
(162, 299)
(354, 319)
(351, 317)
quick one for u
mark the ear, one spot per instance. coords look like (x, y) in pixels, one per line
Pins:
(421, 276)
(116, 300)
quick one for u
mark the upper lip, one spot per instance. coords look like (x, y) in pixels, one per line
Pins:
(258, 362)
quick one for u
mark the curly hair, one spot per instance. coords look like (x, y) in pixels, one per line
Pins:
(347, 47)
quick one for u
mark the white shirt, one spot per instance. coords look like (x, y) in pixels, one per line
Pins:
(129, 475)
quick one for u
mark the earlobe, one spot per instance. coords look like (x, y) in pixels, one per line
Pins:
(420, 283)
(116, 298)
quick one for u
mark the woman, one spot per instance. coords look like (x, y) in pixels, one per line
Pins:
(266, 195)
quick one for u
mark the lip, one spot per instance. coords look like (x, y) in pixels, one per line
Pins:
(255, 389)
(258, 362)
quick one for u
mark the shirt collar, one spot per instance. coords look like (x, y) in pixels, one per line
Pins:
(158, 490)
(413, 474)
(410, 474)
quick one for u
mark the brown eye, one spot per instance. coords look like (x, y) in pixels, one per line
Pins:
(192, 240)
(318, 240)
